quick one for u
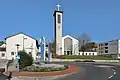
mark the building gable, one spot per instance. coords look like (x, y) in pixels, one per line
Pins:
(18, 34)
(25, 35)
(68, 36)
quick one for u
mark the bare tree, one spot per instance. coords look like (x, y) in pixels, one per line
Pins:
(80, 40)
(83, 39)
(52, 47)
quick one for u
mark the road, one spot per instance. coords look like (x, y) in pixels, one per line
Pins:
(92, 71)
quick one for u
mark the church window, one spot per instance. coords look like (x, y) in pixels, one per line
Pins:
(59, 18)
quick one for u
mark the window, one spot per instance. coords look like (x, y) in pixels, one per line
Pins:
(83, 54)
(106, 51)
(106, 44)
(71, 52)
(12, 53)
(59, 18)
(89, 53)
(106, 47)
(2, 49)
(3, 55)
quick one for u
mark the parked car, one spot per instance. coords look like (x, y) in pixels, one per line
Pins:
(78, 61)
(88, 61)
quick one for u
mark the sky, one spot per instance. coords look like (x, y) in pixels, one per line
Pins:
(100, 19)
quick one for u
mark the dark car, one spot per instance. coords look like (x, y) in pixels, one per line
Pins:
(88, 61)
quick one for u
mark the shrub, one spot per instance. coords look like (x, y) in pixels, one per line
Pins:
(43, 69)
(25, 59)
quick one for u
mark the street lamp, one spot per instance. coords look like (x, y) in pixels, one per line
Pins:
(60, 52)
(83, 46)
(17, 57)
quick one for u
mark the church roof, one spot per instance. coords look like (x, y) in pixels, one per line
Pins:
(69, 37)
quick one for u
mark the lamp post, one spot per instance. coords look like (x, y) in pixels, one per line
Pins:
(59, 49)
(17, 57)
(83, 46)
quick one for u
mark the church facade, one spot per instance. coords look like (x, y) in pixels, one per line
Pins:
(70, 45)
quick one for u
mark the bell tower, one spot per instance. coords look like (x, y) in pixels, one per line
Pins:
(58, 30)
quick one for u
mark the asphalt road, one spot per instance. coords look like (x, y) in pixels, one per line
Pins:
(92, 71)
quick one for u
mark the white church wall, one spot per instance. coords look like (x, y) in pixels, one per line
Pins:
(29, 45)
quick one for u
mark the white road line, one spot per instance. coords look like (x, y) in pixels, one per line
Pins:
(112, 74)
(104, 66)
(113, 70)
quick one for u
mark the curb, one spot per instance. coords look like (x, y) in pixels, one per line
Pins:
(70, 70)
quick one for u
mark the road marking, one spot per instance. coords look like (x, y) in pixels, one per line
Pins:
(112, 74)
(104, 66)
(113, 70)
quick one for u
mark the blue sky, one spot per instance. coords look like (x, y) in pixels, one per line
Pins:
(98, 18)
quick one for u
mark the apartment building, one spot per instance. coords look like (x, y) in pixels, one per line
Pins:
(111, 48)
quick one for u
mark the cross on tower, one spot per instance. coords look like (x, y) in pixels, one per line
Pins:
(58, 7)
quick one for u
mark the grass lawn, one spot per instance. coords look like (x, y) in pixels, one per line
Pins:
(84, 57)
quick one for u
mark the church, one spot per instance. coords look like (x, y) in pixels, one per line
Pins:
(65, 45)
